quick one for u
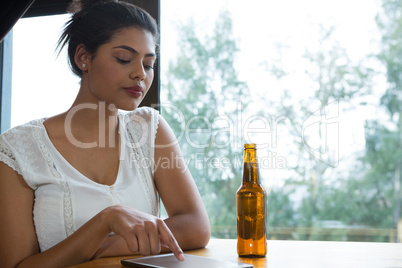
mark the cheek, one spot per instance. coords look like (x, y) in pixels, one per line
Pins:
(112, 74)
(108, 73)
(149, 80)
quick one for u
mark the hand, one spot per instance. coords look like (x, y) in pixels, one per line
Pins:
(142, 232)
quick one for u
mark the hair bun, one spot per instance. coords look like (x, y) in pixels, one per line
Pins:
(78, 5)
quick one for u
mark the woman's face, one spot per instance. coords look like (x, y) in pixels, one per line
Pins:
(121, 71)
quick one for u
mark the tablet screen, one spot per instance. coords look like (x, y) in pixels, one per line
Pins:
(169, 260)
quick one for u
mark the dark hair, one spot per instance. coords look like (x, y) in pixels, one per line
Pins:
(94, 23)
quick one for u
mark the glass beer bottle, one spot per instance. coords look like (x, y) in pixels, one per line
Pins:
(251, 209)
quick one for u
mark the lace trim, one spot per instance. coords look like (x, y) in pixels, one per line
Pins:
(156, 124)
(142, 172)
(67, 202)
(8, 158)
(155, 121)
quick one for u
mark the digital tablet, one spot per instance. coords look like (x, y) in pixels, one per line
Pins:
(169, 260)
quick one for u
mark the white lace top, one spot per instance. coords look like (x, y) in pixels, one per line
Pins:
(64, 198)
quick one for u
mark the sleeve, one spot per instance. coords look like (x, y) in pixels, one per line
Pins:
(19, 151)
(142, 125)
(7, 156)
(154, 126)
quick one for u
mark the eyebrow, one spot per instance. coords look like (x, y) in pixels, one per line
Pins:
(132, 50)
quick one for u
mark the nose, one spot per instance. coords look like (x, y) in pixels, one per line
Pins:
(138, 72)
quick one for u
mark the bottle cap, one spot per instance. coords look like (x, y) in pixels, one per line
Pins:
(250, 146)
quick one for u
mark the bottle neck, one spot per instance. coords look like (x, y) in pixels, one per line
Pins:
(250, 169)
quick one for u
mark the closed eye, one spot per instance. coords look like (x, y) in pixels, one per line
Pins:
(148, 67)
(124, 62)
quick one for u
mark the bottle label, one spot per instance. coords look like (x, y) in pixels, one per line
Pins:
(251, 217)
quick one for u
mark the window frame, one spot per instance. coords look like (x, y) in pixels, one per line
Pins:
(6, 61)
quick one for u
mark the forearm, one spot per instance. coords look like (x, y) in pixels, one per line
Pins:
(191, 230)
(188, 220)
(77, 248)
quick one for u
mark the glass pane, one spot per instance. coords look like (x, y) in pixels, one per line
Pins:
(42, 83)
(308, 82)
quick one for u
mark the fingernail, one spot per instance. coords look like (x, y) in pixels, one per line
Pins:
(181, 257)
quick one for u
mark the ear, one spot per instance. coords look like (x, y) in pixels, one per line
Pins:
(82, 57)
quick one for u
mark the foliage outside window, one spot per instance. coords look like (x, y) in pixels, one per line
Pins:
(325, 193)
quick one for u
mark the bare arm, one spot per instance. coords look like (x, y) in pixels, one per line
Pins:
(19, 245)
(188, 219)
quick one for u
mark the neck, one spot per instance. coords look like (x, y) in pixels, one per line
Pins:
(89, 122)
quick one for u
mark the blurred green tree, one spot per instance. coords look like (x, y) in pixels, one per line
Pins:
(383, 156)
(204, 98)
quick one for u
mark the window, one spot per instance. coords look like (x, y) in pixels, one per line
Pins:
(42, 83)
(307, 82)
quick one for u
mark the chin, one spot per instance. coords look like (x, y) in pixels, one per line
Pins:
(128, 107)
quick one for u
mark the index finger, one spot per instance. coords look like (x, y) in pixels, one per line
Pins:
(168, 240)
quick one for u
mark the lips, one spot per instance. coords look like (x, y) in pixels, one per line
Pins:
(135, 91)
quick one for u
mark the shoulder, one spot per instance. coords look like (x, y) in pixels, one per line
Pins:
(19, 147)
(140, 125)
(143, 118)
(19, 134)
(141, 112)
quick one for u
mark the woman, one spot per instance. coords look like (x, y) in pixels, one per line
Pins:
(85, 183)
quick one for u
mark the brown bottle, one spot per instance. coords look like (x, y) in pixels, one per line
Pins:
(251, 209)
